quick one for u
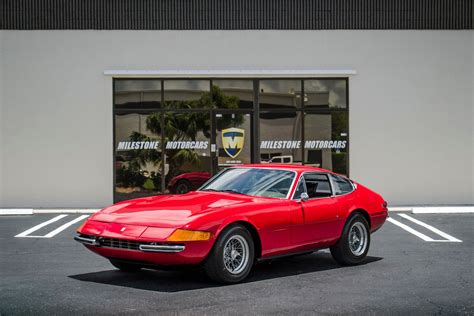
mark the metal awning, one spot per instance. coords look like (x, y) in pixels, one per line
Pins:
(243, 73)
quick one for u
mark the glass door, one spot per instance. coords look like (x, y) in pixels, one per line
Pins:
(233, 139)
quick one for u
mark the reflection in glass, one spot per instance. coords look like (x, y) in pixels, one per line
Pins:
(137, 157)
(253, 181)
(242, 89)
(325, 93)
(187, 94)
(233, 138)
(187, 149)
(137, 93)
(326, 141)
(280, 137)
(280, 94)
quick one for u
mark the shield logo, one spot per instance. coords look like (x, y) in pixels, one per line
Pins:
(233, 141)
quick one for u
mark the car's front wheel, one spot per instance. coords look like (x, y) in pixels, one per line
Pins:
(232, 256)
(353, 246)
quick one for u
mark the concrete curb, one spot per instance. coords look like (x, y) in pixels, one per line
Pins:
(411, 209)
(46, 211)
(17, 211)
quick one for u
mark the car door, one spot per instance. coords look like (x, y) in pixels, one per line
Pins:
(319, 220)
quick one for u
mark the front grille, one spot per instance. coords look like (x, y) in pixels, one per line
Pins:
(118, 243)
(115, 242)
(145, 246)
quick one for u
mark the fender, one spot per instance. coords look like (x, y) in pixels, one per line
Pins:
(230, 220)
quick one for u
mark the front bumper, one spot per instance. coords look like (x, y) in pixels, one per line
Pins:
(145, 247)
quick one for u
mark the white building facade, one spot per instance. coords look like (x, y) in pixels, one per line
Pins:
(391, 108)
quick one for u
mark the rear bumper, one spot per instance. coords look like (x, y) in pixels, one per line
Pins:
(378, 220)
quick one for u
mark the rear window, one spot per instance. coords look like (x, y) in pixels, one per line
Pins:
(341, 185)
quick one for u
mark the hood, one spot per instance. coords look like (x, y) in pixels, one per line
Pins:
(169, 210)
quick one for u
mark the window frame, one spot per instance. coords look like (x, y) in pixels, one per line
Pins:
(332, 178)
(255, 111)
(212, 179)
(306, 190)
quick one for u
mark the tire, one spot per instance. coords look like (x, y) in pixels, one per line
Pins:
(182, 187)
(126, 267)
(353, 246)
(223, 264)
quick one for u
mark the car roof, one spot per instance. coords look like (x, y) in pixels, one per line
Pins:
(283, 166)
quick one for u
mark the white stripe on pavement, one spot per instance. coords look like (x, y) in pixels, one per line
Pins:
(410, 230)
(443, 210)
(433, 229)
(63, 227)
(35, 228)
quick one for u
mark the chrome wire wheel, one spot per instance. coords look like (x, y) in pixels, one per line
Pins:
(236, 254)
(357, 239)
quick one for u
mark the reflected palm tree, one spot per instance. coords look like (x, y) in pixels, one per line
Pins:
(183, 126)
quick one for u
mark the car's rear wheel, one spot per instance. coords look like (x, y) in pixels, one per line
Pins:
(232, 256)
(354, 244)
(127, 267)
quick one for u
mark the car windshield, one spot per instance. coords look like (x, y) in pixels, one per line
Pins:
(253, 181)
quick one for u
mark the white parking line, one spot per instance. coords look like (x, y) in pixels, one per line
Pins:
(433, 229)
(410, 230)
(26, 233)
(35, 228)
(63, 227)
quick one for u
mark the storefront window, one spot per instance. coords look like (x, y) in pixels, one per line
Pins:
(138, 158)
(239, 93)
(137, 94)
(187, 159)
(280, 137)
(164, 129)
(325, 93)
(326, 141)
(280, 94)
(187, 94)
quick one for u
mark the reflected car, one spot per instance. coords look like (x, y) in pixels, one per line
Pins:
(187, 182)
(243, 215)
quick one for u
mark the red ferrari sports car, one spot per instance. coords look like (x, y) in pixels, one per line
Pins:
(242, 215)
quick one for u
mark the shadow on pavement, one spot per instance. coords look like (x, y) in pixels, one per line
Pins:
(185, 280)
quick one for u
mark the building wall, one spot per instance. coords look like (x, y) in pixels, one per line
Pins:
(411, 104)
(1, 121)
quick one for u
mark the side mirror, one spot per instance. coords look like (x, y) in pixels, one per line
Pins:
(304, 197)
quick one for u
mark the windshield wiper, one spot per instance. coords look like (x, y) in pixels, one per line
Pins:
(231, 191)
(226, 191)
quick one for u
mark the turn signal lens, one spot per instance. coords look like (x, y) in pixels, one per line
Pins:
(188, 235)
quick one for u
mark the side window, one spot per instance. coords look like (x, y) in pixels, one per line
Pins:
(341, 185)
(299, 189)
(317, 185)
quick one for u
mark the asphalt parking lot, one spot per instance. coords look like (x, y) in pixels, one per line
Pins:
(43, 271)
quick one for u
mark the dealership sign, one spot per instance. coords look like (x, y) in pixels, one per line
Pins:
(309, 144)
(233, 141)
(138, 145)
